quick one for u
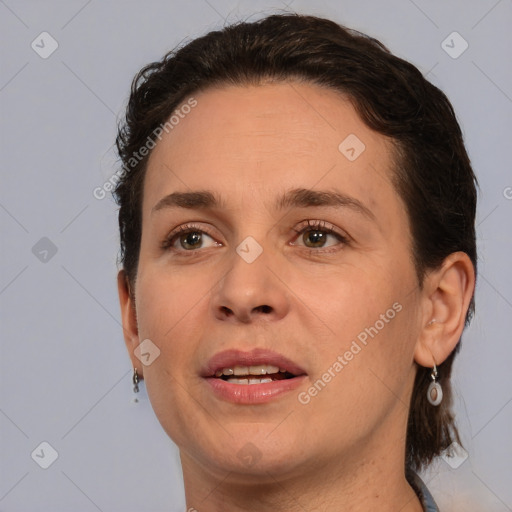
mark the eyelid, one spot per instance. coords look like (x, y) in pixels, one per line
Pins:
(321, 225)
(189, 227)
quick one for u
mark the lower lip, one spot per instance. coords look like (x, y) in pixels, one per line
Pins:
(253, 393)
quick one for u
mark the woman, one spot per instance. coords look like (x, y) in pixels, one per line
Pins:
(298, 265)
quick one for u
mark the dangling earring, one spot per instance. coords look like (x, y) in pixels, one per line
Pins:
(135, 380)
(435, 391)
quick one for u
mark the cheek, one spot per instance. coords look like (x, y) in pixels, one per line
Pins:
(369, 311)
(348, 299)
(166, 299)
(171, 312)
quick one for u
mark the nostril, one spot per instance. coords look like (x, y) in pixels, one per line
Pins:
(226, 311)
(243, 314)
(264, 309)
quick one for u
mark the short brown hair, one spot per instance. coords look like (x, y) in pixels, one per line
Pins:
(433, 174)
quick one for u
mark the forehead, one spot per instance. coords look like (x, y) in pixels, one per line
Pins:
(247, 142)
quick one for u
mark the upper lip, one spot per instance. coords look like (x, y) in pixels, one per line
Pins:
(255, 357)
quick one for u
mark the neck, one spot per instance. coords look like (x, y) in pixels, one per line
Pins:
(367, 475)
(374, 484)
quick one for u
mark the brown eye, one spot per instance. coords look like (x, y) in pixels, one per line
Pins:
(314, 238)
(319, 235)
(191, 240)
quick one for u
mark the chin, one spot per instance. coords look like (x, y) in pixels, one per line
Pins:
(251, 458)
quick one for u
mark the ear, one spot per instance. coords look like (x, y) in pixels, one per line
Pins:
(129, 319)
(447, 293)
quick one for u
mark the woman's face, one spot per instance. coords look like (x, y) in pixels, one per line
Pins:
(273, 239)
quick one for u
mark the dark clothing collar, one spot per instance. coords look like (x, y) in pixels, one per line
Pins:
(426, 499)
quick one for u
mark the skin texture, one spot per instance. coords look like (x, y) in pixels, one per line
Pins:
(344, 449)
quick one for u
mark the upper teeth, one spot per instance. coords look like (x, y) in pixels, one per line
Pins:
(263, 369)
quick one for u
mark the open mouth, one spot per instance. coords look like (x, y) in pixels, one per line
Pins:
(252, 377)
(258, 374)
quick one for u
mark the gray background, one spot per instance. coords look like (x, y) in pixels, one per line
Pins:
(64, 375)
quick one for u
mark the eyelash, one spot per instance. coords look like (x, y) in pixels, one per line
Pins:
(311, 225)
(182, 230)
(321, 225)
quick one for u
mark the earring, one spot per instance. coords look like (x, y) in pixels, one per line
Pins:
(135, 380)
(431, 322)
(435, 391)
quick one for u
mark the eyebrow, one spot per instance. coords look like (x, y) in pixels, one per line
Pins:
(192, 200)
(305, 198)
(295, 198)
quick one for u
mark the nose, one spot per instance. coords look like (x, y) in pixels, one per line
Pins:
(249, 292)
